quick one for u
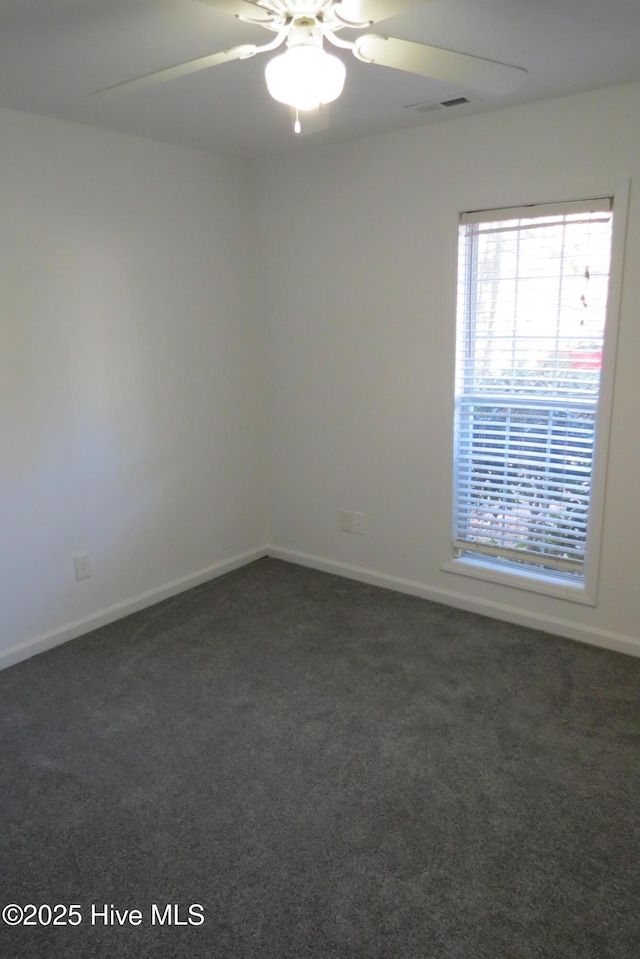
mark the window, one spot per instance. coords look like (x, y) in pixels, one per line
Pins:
(532, 303)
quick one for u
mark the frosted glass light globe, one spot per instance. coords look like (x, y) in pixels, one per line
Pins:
(305, 77)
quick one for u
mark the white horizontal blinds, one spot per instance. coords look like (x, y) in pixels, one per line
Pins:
(531, 313)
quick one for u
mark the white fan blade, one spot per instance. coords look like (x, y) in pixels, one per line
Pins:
(471, 73)
(371, 11)
(242, 52)
(311, 121)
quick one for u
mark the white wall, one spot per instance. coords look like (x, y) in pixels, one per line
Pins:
(175, 327)
(129, 382)
(358, 294)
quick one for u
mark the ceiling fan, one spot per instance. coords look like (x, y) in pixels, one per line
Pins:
(306, 77)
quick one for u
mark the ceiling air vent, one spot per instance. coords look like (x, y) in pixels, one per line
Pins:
(434, 105)
(456, 102)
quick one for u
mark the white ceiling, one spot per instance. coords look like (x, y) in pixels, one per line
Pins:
(55, 53)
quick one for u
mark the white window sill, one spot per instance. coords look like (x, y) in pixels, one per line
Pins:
(546, 583)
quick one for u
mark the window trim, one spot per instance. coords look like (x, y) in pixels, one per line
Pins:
(547, 582)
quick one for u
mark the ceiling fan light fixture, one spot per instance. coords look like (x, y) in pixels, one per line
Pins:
(305, 77)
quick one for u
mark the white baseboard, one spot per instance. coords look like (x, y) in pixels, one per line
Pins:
(511, 614)
(81, 626)
(585, 634)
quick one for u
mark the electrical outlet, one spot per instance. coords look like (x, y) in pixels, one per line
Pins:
(358, 523)
(82, 565)
(351, 522)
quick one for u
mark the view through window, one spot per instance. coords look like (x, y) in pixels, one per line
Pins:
(532, 300)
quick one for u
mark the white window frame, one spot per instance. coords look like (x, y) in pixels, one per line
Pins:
(546, 582)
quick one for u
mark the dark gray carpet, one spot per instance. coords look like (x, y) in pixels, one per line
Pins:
(331, 770)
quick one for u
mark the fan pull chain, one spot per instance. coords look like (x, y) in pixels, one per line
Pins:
(296, 126)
